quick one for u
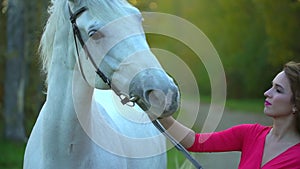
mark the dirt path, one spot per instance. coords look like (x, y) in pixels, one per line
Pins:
(228, 160)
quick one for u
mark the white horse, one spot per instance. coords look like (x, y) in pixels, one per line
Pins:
(77, 129)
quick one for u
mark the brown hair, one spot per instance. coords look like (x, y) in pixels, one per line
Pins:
(292, 71)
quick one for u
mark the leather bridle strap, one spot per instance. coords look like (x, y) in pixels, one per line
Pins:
(124, 98)
(177, 145)
(76, 33)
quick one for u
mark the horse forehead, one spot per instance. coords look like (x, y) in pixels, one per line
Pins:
(98, 5)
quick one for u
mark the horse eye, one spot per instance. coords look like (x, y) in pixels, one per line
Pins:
(95, 34)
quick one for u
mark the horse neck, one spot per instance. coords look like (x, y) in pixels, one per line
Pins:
(66, 88)
(65, 83)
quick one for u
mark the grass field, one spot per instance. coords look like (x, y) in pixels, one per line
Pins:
(12, 153)
(12, 156)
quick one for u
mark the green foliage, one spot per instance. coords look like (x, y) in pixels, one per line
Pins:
(282, 27)
(11, 155)
(253, 38)
(175, 159)
(144, 4)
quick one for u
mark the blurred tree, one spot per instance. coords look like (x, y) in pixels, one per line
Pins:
(144, 5)
(252, 44)
(35, 18)
(242, 51)
(281, 22)
(14, 73)
(2, 57)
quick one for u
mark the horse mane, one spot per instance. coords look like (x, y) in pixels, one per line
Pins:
(59, 18)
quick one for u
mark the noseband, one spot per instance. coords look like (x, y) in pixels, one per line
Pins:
(124, 98)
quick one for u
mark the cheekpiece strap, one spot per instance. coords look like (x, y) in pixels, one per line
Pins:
(75, 15)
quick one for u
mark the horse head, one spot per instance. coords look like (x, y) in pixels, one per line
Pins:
(115, 45)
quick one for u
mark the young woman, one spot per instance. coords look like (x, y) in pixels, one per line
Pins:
(262, 147)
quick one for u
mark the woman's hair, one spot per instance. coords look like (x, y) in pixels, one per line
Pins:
(292, 71)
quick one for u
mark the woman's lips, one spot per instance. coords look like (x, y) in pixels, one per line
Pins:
(267, 103)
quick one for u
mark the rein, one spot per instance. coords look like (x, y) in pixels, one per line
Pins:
(125, 99)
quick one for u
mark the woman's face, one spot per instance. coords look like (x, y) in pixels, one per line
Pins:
(278, 97)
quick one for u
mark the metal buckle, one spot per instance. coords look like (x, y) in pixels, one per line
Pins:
(126, 100)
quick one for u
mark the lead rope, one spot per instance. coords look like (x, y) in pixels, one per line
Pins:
(177, 145)
(124, 98)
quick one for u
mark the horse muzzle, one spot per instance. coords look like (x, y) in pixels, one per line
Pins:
(155, 92)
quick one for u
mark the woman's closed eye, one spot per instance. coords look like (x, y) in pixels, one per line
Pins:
(278, 88)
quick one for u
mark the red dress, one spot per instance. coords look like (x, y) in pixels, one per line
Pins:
(250, 140)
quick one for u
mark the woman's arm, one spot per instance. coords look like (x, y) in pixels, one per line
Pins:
(181, 133)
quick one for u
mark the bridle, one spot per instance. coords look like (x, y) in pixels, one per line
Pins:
(76, 33)
(125, 99)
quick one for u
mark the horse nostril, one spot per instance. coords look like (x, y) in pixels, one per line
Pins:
(155, 96)
(147, 94)
(158, 95)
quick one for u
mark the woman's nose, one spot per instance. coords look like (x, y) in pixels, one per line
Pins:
(268, 93)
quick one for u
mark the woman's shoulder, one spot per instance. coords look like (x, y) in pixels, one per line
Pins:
(296, 149)
(255, 126)
(251, 129)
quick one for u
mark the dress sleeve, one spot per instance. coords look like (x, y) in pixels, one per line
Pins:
(231, 139)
